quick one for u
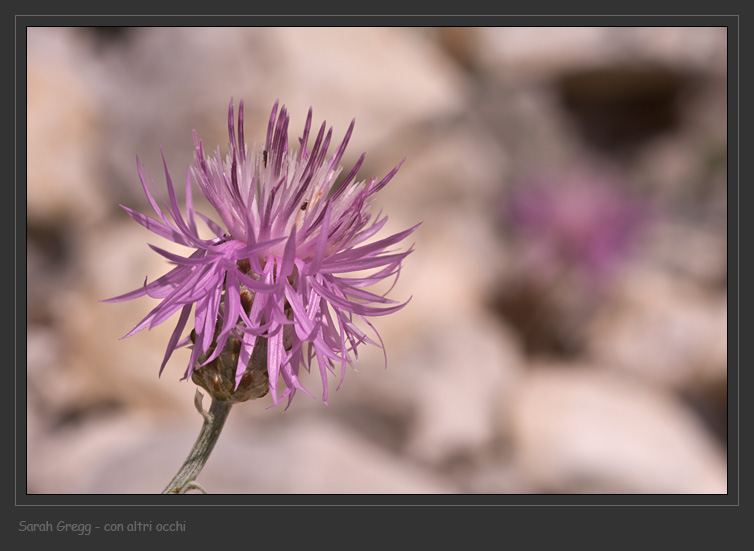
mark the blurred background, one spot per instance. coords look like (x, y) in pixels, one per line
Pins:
(568, 326)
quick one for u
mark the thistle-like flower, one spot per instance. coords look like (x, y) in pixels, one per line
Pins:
(583, 221)
(272, 287)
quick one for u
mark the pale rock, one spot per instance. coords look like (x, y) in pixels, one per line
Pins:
(446, 385)
(535, 53)
(522, 53)
(499, 477)
(452, 188)
(387, 78)
(342, 73)
(52, 386)
(117, 260)
(310, 456)
(34, 424)
(700, 48)
(687, 249)
(664, 329)
(451, 165)
(63, 129)
(455, 266)
(464, 372)
(65, 461)
(165, 82)
(587, 430)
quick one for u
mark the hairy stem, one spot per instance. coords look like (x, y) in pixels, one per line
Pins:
(214, 420)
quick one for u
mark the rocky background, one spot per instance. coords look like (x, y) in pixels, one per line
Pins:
(568, 327)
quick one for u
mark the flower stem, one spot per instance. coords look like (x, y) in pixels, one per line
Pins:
(214, 420)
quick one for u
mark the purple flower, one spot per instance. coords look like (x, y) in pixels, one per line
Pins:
(275, 277)
(576, 220)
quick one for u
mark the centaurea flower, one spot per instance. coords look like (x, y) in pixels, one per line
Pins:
(581, 221)
(574, 230)
(276, 283)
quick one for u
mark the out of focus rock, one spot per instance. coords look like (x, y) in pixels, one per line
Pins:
(388, 78)
(34, 425)
(160, 85)
(525, 53)
(692, 251)
(465, 372)
(63, 129)
(52, 388)
(50, 267)
(117, 260)
(458, 42)
(453, 268)
(65, 461)
(622, 87)
(450, 183)
(500, 477)
(583, 430)
(663, 329)
(451, 163)
(343, 73)
(446, 384)
(311, 457)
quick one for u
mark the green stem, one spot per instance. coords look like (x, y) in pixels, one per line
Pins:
(214, 420)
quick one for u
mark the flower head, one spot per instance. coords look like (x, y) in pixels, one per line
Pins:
(584, 221)
(273, 283)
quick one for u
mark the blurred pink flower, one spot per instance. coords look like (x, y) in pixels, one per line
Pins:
(577, 221)
(274, 274)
